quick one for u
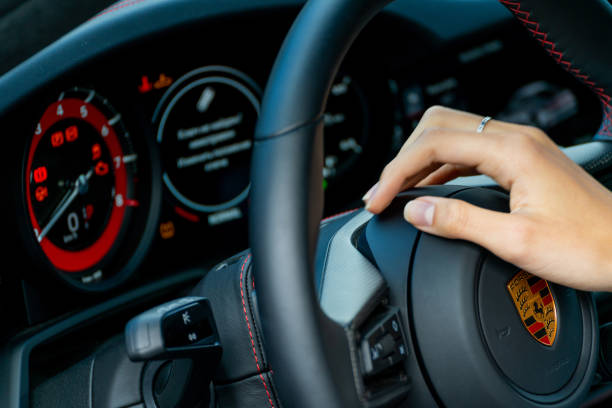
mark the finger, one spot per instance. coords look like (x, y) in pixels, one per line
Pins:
(408, 183)
(457, 219)
(443, 117)
(443, 146)
(446, 173)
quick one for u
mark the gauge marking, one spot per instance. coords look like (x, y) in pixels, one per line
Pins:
(130, 158)
(186, 214)
(90, 96)
(114, 120)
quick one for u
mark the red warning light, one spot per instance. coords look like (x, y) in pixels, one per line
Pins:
(101, 168)
(96, 151)
(72, 133)
(145, 85)
(41, 193)
(57, 139)
(40, 174)
(89, 209)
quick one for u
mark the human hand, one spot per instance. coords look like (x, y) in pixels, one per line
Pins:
(559, 226)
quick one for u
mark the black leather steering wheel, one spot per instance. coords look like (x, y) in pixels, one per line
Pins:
(309, 352)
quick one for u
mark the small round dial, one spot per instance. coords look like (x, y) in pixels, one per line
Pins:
(79, 178)
(205, 131)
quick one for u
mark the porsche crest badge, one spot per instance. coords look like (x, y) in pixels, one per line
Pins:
(535, 306)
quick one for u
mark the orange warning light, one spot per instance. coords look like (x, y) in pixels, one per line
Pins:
(96, 151)
(145, 86)
(166, 230)
(57, 139)
(72, 133)
(163, 82)
(41, 193)
(40, 174)
(101, 168)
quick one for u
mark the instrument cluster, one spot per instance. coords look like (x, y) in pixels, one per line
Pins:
(143, 168)
(138, 163)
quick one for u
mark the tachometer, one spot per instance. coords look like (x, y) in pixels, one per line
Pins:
(79, 184)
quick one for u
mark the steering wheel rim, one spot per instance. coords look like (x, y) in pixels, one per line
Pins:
(307, 350)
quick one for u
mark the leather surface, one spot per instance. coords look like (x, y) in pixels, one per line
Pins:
(244, 393)
(577, 35)
(231, 291)
(244, 377)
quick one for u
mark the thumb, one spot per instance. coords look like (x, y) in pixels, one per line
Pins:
(456, 219)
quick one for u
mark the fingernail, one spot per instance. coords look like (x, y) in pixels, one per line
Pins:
(370, 194)
(420, 213)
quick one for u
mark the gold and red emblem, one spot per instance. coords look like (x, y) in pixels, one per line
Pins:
(535, 305)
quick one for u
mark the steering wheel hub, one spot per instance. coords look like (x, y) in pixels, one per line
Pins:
(468, 333)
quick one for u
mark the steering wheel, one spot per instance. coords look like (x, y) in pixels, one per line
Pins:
(467, 342)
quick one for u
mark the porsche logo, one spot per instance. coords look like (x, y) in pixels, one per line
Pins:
(535, 306)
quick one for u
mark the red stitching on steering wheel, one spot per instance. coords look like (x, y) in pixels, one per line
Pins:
(246, 318)
(117, 6)
(534, 28)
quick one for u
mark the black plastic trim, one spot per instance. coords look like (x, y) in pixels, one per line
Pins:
(14, 357)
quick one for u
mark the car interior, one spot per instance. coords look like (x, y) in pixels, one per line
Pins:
(184, 183)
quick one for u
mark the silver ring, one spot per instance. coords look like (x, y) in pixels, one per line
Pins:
(483, 124)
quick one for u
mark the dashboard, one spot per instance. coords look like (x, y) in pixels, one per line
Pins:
(127, 143)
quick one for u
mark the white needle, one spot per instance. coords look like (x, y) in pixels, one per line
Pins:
(80, 183)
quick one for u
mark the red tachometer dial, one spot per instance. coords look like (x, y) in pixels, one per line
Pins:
(78, 174)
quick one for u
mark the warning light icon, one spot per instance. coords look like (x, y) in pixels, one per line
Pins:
(96, 152)
(41, 193)
(101, 168)
(88, 210)
(166, 230)
(163, 82)
(72, 133)
(57, 139)
(40, 174)
(145, 85)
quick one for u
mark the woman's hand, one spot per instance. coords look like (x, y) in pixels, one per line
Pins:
(560, 221)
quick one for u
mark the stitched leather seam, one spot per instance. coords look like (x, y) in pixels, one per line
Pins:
(116, 7)
(267, 373)
(551, 47)
(246, 318)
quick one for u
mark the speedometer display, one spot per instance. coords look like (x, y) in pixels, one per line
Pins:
(72, 201)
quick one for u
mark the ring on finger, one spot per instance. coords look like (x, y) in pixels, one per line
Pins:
(483, 124)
